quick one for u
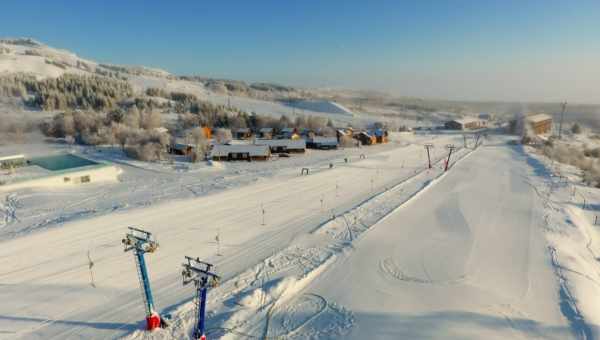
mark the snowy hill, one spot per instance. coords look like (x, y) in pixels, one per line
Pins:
(321, 106)
(24, 55)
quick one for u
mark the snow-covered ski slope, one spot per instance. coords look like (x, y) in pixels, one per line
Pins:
(484, 251)
(492, 249)
(466, 259)
(45, 277)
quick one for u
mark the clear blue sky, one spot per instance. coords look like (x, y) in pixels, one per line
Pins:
(542, 50)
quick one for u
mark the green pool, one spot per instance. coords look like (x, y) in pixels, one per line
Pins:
(61, 162)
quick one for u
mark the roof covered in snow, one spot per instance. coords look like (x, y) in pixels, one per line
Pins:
(540, 117)
(223, 150)
(289, 143)
(466, 120)
(324, 140)
(11, 157)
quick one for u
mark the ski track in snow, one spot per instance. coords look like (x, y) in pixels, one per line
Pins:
(300, 262)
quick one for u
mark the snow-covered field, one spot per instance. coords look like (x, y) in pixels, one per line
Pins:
(370, 244)
(498, 248)
(381, 247)
(54, 262)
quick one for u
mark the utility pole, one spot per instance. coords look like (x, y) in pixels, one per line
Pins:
(200, 273)
(218, 239)
(141, 242)
(562, 114)
(450, 147)
(428, 146)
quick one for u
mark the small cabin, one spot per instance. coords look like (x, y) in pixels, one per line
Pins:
(381, 136)
(242, 133)
(540, 123)
(463, 124)
(180, 149)
(365, 138)
(265, 133)
(289, 133)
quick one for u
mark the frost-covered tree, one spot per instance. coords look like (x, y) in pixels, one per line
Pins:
(223, 136)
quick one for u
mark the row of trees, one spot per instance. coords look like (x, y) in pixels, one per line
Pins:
(195, 112)
(586, 159)
(135, 131)
(255, 122)
(68, 91)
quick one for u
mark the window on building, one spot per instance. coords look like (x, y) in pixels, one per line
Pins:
(67, 179)
(85, 179)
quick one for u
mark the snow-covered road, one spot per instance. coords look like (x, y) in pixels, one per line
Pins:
(465, 259)
(45, 277)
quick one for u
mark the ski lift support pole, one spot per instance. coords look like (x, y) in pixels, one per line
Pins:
(450, 147)
(200, 273)
(141, 242)
(428, 146)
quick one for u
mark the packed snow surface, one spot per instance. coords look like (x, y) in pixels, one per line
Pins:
(375, 247)
(325, 106)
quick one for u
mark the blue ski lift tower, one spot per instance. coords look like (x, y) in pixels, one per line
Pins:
(142, 242)
(200, 274)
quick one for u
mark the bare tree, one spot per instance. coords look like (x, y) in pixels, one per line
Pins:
(151, 120)
(198, 139)
(132, 117)
(223, 136)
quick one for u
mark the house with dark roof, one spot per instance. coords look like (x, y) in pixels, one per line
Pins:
(242, 133)
(265, 133)
(365, 138)
(467, 123)
(289, 133)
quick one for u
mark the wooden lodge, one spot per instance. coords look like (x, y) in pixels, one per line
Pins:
(463, 124)
(540, 123)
